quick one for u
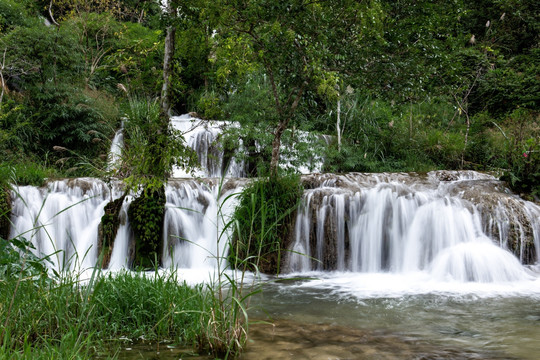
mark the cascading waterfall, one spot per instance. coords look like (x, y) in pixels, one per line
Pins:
(455, 226)
(397, 223)
(117, 144)
(204, 137)
(194, 222)
(62, 220)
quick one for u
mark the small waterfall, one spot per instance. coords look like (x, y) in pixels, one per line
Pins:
(62, 220)
(442, 223)
(122, 252)
(204, 138)
(193, 225)
(117, 144)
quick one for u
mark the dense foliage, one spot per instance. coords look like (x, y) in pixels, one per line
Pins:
(402, 85)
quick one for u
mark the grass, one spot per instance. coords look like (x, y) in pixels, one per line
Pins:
(69, 318)
(25, 173)
(262, 223)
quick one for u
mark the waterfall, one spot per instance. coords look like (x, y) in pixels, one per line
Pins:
(62, 220)
(115, 152)
(456, 226)
(195, 217)
(205, 137)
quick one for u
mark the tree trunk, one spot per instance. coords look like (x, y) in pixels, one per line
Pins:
(282, 126)
(338, 124)
(167, 65)
(276, 143)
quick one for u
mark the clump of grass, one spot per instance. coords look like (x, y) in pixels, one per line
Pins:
(40, 314)
(263, 221)
(25, 173)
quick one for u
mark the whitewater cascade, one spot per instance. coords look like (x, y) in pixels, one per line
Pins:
(205, 138)
(61, 220)
(455, 225)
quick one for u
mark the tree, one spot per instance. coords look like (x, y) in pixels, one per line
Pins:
(296, 43)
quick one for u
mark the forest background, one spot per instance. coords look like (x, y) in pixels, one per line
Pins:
(401, 85)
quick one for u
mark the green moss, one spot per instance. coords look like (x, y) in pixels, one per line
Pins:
(146, 215)
(108, 228)
(5, 212)
(265, 219)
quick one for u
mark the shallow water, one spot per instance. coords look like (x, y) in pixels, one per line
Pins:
(326, 317)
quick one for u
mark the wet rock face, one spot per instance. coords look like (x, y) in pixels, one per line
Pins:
(108, 228)
(507, 219)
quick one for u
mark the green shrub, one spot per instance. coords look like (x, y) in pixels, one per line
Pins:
(522, 135)
(264, 219)
(209, 106)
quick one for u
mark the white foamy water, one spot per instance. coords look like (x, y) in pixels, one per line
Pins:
(195, 219)
(115, 152)
(62, 220)
(393, 226)
(370, 234)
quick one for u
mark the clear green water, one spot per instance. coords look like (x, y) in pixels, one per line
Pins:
(310, 321)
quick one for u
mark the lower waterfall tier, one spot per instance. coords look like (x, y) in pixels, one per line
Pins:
(462, 226)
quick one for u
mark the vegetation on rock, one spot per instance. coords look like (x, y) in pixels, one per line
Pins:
(264, 222)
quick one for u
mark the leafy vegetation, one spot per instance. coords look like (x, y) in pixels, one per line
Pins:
(402, 85)
(263, 219)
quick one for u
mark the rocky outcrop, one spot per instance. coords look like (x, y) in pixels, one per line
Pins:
(108, 228)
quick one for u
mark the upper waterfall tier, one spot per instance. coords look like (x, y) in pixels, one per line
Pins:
(206, 138)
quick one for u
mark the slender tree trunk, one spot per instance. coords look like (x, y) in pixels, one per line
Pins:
(338, 124)
(466, 137)
(276, 144)
(167, 65)
(2, 66)
(282, 126)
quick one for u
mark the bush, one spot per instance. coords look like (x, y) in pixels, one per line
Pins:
(523, 152)
(146, 214)
(264, 219)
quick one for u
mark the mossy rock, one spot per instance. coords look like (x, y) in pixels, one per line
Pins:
(108, 227)
(146, 215)
(5, 212)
